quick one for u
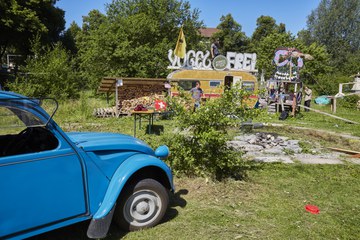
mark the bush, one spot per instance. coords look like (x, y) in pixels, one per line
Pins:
(199, 145)
(329, 84)
(49, 74)
(349, 101)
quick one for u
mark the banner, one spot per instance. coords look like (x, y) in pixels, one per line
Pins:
(180, 49)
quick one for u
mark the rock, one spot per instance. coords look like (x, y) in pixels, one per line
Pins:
(252, 148)
(236, 144)
(317, 159)
(295, 149)
(252, 141)
(245, 137)
(274, 151)
(283, 138)
(292, 142)
(272, 159)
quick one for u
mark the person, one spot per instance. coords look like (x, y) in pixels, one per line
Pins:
(308, 96)
(196, 94)
(214, 48)
(272, 92)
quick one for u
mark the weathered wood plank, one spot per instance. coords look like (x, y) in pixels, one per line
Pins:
(330, 115)
(344, 150)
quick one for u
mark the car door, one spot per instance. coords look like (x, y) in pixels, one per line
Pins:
(40, 188)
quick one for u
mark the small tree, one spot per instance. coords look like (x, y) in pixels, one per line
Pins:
(200, 146)
(49, 74)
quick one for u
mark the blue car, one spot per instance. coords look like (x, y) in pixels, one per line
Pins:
(50, 179)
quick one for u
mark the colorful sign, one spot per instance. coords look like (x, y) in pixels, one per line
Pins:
(220, 62)
(200, 60)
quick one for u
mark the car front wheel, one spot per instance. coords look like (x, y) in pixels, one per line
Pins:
(142, 205)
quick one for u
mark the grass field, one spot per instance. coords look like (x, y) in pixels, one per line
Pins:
(268, 204)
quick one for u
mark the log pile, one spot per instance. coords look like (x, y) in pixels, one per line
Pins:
(135, 91)
(128, 105)
(105, 112)
(148, 101)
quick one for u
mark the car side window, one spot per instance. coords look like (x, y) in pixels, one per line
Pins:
(9, 122)
(21, 132)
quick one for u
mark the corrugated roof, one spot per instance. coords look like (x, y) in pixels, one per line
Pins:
(107, 84)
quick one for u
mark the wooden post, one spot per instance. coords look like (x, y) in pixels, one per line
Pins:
(117, 100)
(294, 100)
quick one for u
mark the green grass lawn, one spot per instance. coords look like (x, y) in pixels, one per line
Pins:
(269, 204)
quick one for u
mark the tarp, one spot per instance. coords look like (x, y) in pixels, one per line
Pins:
(322, 100)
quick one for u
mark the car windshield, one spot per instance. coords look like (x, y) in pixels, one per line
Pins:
(21, 113)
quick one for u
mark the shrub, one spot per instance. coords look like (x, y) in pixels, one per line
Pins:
(49, 74)
(329, 84)
(199, 145)
(349, 101)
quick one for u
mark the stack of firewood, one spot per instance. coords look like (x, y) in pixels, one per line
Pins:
(105, 112)
(128, 105)
(148, 101)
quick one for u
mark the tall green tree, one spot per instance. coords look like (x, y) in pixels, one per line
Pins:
(21, 20)
(68, 39)
(318, 67)
(336, 24)
(95, 45)
(134, 37)
(266, 25)
(230, 36)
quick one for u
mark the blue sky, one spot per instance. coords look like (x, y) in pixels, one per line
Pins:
(245, 12)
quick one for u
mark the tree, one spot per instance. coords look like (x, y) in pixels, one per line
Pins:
(21, 20)
(230, 36)
(134, 38)
(68, 39)
(305, 37)
(335, 24)
(49, 74)
(311, 71)
(318, 67)
(94, 49)
(266, 48)
(266, 25)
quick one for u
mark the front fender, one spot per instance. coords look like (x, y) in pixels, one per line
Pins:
(123, 173)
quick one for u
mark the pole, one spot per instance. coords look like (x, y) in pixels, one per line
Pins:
(117, 100)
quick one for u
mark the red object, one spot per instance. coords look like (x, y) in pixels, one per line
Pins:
(140, 107)
(312, 209)
(160, 105)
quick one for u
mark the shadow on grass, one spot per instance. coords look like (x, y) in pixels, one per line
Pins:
(78, 231)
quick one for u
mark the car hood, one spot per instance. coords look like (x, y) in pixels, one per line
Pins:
(93, 142)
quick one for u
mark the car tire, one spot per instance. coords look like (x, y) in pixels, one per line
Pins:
(142, 205)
